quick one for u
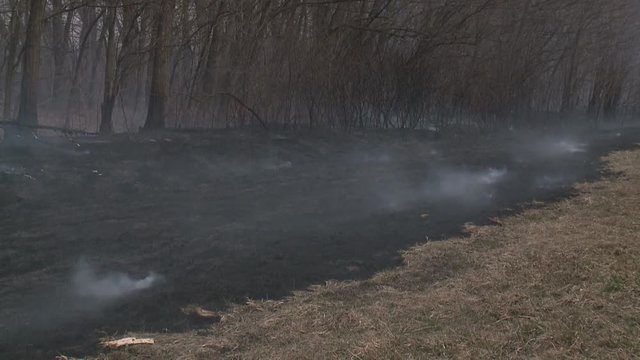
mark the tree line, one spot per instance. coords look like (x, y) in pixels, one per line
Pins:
(121, 65)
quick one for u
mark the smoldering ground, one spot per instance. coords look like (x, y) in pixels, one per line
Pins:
(530, 163)
(100, 288)
(549, 147)
(223, 220)
(85, 293)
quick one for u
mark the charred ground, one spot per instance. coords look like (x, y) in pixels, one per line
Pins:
(222, 217)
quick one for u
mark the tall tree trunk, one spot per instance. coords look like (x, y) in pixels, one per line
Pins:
(212, 53)
(110, 83)
(12, 46)
(59, 49)
(97, 60)
(160, 65)
(569, 87)
(28, 112)
(126, 68)
(570, 81)
(89, 20)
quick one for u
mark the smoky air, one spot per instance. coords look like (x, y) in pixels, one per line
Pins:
(92, 285)
(163, 155)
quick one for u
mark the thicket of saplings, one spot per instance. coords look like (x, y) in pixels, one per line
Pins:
(121, 65)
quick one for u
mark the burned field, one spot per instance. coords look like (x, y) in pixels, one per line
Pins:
(106, 235)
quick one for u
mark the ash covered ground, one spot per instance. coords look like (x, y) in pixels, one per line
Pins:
(104, 235)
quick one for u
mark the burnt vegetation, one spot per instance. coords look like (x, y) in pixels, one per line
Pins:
(121, 65)
(283, 144)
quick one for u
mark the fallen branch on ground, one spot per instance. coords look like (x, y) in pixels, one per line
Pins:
(116, 344)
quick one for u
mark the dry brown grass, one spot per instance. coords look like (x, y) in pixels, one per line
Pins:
(562, 281)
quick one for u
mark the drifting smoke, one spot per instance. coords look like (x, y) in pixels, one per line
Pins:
(552, 181)
(548, 148)
(88, 283)
(444, 182)
(276, 165)
(464, 185)
(84, 297)
(367, 158)
(10, 170)
(566, 146)
(443, 185)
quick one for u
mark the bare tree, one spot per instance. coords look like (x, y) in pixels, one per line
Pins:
(163, 18)
(28, 111)
(348, 64)
(15, 25)
(109, 96)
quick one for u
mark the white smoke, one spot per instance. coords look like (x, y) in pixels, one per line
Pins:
(275, 165)
(566, 146)
(89, 283)
(491, 176)
(370, 158)
(10, 170)
(552, 181)
(547, 148)
(468, 187)
(464, 185)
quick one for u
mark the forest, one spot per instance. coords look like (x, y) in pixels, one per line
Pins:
(171, 169)
(124, 65)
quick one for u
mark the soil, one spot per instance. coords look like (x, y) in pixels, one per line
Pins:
(230, 215)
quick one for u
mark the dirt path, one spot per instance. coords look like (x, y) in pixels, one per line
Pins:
(561, 281)
(220, 219)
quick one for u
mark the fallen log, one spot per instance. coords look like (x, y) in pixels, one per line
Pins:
(130, 341)
(200, 312)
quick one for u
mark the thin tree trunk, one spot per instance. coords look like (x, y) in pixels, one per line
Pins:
(109, 96)
(28, 111)
(570, 81)
(89, 21)
(59, 48)
(12, 46)
(210, 68)
(160, 66)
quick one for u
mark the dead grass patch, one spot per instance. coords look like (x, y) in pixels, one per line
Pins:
(559, 281)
